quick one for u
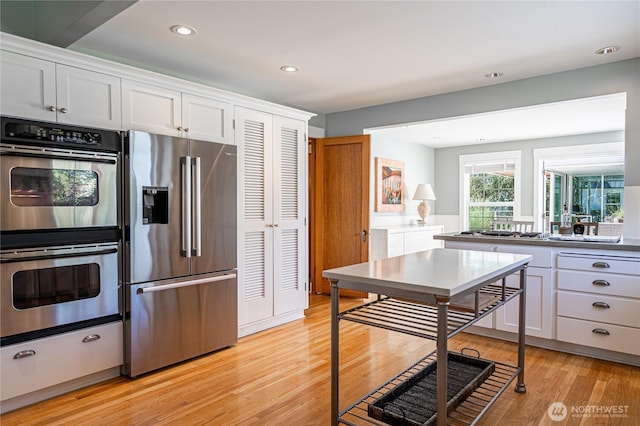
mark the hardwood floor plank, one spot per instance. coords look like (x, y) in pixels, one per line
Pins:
(282, 377)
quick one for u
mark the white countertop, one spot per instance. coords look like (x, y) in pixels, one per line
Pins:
(441, 272)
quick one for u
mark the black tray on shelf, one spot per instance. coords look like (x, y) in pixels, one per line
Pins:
(413, 402)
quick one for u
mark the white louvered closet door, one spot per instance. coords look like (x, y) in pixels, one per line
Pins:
(254, 136)
(289, 186)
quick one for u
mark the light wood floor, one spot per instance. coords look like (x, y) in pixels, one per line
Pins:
(281, 377)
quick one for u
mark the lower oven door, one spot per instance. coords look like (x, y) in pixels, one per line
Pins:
(53, 189)
(173, 320)
(51, 287)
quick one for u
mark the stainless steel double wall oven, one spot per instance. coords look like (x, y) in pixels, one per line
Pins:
(59, 228)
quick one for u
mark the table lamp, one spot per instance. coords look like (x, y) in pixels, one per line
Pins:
(424, 192)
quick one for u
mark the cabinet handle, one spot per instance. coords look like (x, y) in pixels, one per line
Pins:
(603, 265)
(51, 108)
(600, 305)
(180, 128)
(186, 129)
(24, 354)
(603, 283)
(91, 338)
(600, 331)
(64, 110)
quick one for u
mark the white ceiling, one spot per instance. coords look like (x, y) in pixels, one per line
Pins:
(354, 54)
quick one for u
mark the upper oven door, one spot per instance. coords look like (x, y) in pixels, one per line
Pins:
(57, 189)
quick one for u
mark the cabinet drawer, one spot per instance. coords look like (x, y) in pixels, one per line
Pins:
(605, 336)
(599, 282)
(60, 358)
(602, 264)
(612, 310)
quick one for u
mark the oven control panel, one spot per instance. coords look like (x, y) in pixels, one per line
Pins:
(51, 134)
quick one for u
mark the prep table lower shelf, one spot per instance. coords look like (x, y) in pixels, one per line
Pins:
(472, 408)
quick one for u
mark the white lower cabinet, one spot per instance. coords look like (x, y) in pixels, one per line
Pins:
(35, 365)
(599, 301)
(539, 307)
(272, 251)
(539, 312)
(398, 240)
(599, 335)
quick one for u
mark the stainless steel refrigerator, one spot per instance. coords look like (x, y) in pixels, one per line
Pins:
(180, 257)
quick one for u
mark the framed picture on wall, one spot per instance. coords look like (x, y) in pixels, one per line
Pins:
(390, 194)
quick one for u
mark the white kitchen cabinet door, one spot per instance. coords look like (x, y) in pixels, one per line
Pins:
(539, 307)
(88, 98)
(28, 87)
(151, 109)
(254, 135)
(38, 364)
(207, 119)
(289, 184)
(272, 251)
(42, 90)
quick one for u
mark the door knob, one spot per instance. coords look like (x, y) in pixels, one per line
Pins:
(364, 235)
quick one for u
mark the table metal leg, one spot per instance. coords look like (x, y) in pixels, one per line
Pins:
(442, 361)
(520, 387)
(335, 365)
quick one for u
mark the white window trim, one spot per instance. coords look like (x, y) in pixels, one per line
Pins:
(572, 154)
(487, 157)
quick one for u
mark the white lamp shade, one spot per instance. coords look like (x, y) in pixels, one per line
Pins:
(424, 192)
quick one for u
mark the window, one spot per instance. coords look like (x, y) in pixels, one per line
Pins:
(592, 193)
(490, 188)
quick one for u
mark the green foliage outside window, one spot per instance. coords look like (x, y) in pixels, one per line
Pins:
(490, 197)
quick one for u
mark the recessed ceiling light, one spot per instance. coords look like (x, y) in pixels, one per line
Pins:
(607, 50)
(289, 68)
(184, 30)
(493, 75)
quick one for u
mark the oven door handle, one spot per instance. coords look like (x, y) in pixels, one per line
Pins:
(146, 290)
(17, 256)
(50, 153)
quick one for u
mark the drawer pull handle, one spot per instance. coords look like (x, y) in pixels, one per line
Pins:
(24, 354)
(600, 331)
(603, 265)
(603, 283)
(91, 338)
(600, 305)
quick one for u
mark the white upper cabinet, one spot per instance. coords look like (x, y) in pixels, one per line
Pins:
(150, 108)
(170, 112)
(43, 90)
(207, 119)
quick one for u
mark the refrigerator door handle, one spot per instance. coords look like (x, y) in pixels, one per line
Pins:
(197, 208)
(185, 165)
(145, 290)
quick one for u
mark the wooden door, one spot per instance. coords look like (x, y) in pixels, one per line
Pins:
(340, 234)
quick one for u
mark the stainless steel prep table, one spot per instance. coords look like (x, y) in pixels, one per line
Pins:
(427, 281)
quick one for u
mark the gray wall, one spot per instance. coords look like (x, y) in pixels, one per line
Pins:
(418, 166)
(617, 77)
(447, 165)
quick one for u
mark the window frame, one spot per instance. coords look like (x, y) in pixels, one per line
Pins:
(466, 160)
